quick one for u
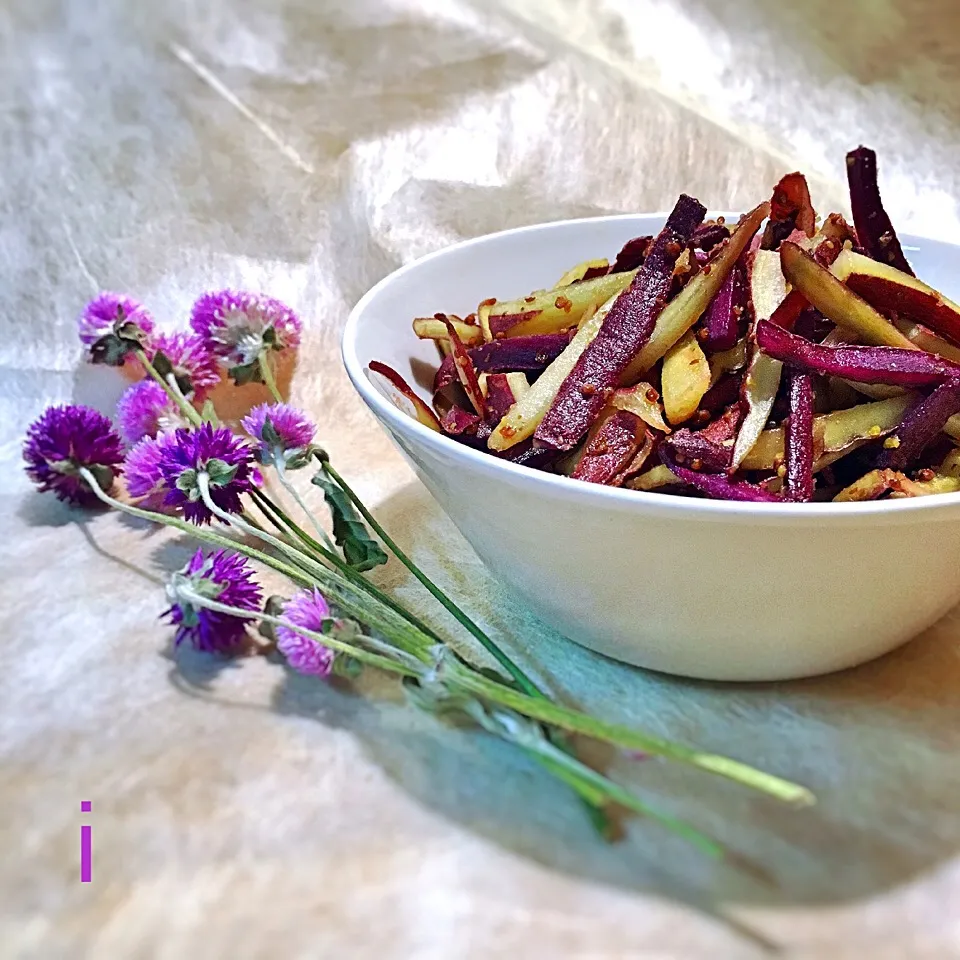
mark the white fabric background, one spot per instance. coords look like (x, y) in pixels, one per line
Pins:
(306, 149)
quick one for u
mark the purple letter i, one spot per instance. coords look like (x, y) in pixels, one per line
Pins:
(86, 846)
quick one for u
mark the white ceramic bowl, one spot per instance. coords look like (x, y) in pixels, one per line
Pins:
(716, 590)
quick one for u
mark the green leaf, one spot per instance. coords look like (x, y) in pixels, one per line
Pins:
(220, 472)
(274, 606)
(164, 367)
(162, 364)
(269, 434)
(246, 373)
(360, 550)
(209, 412)
(187, 481)
(125, 338)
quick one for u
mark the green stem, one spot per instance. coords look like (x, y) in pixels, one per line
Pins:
(174, 393)
(402, 638)
(338, 646)
(198, 533)
(355, 578)
(266, 371)
(523, 681)
(292, 490)
(590, 784)
(573, 721)
(341, 592)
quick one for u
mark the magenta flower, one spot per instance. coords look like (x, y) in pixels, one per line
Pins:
(223, 456)
(307, 609)
(221, 576)
(193, 364)
(141, 469)
(284, 432)
(63, 439)
(240, 326)
(145, 410)
(105, 310)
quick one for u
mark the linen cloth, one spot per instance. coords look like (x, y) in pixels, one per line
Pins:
(307, 149)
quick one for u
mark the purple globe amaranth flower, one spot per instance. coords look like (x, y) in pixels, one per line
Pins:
(63, 439)
(145, 410)
(221, 576)
(307, 609)
(239, 326)
(141, 470)
(284, 432)
(191, 361)
(225, 458)
(103, 320)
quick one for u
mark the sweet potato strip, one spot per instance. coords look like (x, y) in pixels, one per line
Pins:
(835, 434)
(876, 365)
(717, 486)
(790, 209)
(685, 378)
(550, 311)
(525, 415)
(758, 391)
(921, 337)
(878, 482)
(919, 427)
(611, 450)
(501, 391)
(403, 396)
(705, 448)
(798, 439)
(642, 400)
(625, 329)
(527, 354)
(686, 308)
(435, 328)
(874, 229)
(868, 487)
(721, 325)
(893, 291)
(836, 301)
(466, 372)
(584, 271)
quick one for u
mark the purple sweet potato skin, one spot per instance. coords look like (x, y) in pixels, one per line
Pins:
(500, 323)
(930, 311)
(457, 422)
(631, 255)
(708, 235)
(531, 354)
(798, 438)
(920, 426)
(608, 455)
(717, 486)
(624, 331)
(500, 397)
(707, 445)
(892, 366)
(875, 233)
(721, 324)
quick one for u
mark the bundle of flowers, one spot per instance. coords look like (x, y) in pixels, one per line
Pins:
(168, 458)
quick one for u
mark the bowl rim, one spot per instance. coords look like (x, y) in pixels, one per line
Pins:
(566, 487)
